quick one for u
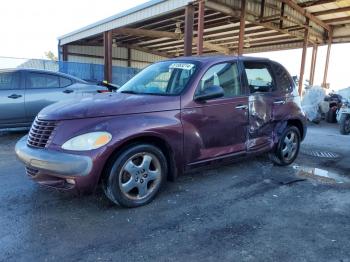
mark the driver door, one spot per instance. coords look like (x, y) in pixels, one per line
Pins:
(216, 128)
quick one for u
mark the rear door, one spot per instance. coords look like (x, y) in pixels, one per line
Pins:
(261, 83)
(12, 112)
(43, 89)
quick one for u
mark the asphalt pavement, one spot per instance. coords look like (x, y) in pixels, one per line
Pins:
(247, 211)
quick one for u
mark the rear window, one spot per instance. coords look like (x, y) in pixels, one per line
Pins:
(284, 81)
(9, 80)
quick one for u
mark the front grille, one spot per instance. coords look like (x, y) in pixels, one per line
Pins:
(31, 171)
(40, 133)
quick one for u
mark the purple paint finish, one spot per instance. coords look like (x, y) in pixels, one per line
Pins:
(192, 133)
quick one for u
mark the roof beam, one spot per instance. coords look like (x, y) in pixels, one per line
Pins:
(222, 8)
(146, 50)
(226, 9)
(302, 11)
(332, 11)
(147, 33)
(337, 20)
(170, 35)
(215, 47)
(317, 2)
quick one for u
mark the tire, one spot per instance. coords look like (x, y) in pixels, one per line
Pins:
(134, 177)
(345, 124)
(287, 148)
(331, 116)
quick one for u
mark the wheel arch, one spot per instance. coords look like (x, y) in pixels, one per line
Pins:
(151, 139)
(299, 124)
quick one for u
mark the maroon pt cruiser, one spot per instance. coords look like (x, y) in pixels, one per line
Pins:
(174, 116)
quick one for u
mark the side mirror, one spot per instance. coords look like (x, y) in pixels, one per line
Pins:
(211, 92)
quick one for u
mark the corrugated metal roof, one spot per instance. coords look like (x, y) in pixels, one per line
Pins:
(267, 31)
(143, 11)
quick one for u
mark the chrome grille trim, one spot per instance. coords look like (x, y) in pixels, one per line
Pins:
(40, 133)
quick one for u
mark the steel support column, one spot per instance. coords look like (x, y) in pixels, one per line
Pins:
(129, 57)
(200, 30)
(303, 57)
(282, 15)
(189, 13)
(262, 9)
(64, 53)
(242, 28)
(330, 39)
(107, 43)
(313, 64)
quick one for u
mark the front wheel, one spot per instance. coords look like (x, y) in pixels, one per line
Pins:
(135, 177)
(345, 124)
(288, 146)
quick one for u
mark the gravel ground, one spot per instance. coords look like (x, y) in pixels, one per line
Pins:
(248, 211)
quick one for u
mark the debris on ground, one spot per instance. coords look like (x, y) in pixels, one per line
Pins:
(321, 175)
(313, 98)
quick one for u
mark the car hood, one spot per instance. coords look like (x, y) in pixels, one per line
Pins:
(110, 104)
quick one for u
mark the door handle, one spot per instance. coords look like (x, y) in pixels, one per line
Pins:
(14, 96)
(68, 91)
(280, 102)
(242, 107)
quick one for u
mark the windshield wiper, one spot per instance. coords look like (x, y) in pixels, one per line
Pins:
(129, 92)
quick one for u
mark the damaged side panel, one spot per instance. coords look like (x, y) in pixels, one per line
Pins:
(260, 121)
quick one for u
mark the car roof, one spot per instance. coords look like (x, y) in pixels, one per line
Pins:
(219, 58)
(43, 72)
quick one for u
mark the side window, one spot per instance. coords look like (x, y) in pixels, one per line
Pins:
(225, 75)
(283, 79)
(38, 80)
(258, 76)
(9, 80)
(64, 82)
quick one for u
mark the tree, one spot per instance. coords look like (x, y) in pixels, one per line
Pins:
(51, 56)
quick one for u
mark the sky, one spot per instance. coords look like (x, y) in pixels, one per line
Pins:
(29, 28)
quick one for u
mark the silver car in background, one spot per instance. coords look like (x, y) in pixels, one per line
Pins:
(24, 92)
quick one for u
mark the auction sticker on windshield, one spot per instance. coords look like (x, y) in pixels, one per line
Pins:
(183, 66)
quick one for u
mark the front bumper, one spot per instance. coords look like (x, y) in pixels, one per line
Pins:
(53, 162)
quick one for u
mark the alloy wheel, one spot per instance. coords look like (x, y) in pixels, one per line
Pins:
(347, 125)
(140, 176)
(290, 145)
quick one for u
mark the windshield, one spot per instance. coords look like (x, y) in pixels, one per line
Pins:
(163, 78)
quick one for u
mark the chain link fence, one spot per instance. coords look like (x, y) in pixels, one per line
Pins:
(85, 71)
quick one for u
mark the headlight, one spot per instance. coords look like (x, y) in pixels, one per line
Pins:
(87, 141)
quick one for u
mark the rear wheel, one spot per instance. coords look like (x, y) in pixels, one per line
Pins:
(345, 124)
(135, 177)
(331, 116)
(288, 146)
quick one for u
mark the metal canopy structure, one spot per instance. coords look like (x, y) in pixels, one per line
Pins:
(171, 28)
